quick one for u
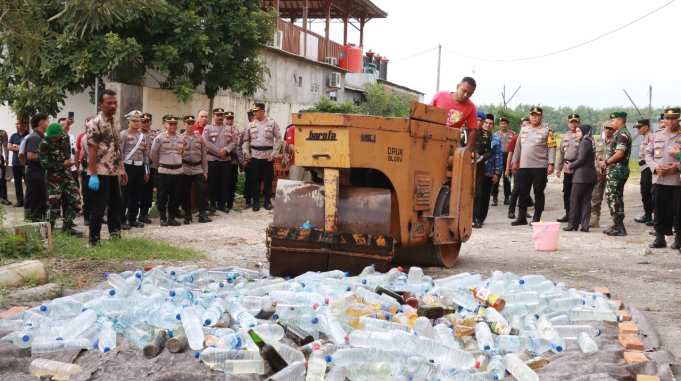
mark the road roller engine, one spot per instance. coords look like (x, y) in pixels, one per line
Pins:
(384, 191)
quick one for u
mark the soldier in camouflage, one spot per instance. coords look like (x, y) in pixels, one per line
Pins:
(617, 172)
(55, 157)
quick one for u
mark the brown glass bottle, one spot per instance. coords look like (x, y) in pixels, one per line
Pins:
(268, 353)
(296, 334)
(434, 312)
(382, 290)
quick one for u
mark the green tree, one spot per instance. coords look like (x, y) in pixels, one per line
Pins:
(379, 100)
(52, 48)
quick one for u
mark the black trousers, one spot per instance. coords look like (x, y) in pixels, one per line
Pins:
(19, 174)
(169, 194)
(506, 182)
(263, 172)
(567, 189)
(36, 194)
(483, 191)
(188, 182)
(580, 204)
(219, 183)
(667, 209)
(248, 175)
(234, 170)
(3, 182)
(529, 178)
(647, 191)
(84, 179)
(107, 197)
(132, 192)
(147, 192)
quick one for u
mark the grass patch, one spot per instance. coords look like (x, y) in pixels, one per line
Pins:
(125, 249)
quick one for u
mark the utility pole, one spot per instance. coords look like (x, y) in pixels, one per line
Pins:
(439, 60)
(503, 96)
(632, 103)
(650, 101)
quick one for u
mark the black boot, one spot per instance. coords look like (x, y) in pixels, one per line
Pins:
(144, 218)
(659, 242)
(644, 218)
(495, 201)
(125, 226)
(506, 201)
(511, 214)
(187, 218)
(522, 218)
(268, 205)
(563, 219)
(164, 219)
(677, 241)
(203, 218)
(172, 221)
(570, 228)
(618, 228)
(69, 229)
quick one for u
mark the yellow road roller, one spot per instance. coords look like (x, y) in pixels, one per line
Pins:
(381, 191)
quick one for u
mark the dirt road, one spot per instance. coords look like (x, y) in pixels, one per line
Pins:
(649, 280)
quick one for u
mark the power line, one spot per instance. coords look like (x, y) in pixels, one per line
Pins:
(572, 47)
(413, 55)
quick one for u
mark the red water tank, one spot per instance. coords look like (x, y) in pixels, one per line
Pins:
(351, 59)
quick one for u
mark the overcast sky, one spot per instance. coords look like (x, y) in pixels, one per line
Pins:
(645, 53)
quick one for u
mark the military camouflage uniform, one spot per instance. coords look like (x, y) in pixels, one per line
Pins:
(61, 186)
(617, 174)
(599, 187)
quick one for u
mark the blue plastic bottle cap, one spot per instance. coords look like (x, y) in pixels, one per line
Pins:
(172, 293)
(106, 274)
(346, 274)
(559, 348)
(197, 354)
(112, 292)
(238, 342)
(521, 281)
(25, 338)
(178, 317)
(275, 317)
(170, 333)
(302, 284)
(348, 289)
(106, 349)
(315, 320)
(221, 285)
(43, 308)
(487, 348)
(138, 275)
(206, 323)
(60, 338)
(364, 281)
(328, 358)
(173, 273)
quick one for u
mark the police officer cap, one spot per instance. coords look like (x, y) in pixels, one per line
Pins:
(618, 114)
(672, 112)
(503, 119)
(257, 106)
(134, 115)
(169, 118)
(490, 117)
(189, 119)
(481, 115)
(642, 122)
(573, 118)
(218, 111)
(229, 114)
(536, 110)
(146, 116)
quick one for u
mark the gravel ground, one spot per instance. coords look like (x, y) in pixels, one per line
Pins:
(649, 280)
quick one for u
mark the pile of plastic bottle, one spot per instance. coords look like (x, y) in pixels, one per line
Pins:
(327, 326)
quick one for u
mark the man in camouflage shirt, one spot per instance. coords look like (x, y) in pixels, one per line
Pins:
(617, 173)
(62, 188)
(105, 167)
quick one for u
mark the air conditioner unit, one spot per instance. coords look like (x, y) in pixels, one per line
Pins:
(277, 40)
(331, 61)
(334, 80)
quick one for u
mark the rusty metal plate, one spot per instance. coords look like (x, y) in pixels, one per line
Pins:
(423, 184)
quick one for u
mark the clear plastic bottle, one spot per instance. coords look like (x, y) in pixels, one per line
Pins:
(522, 297)
(509, 343)
(459, 296)
(106, 340)
(445, 335)
(415, 275)
(484, 337)
(239, 314)
(585, 314)
(547, 332)
(463, 281)
(348, 356)
(297, 298)
(63, 309)
(192, 328)
(337, 373)
(213, 313)
(288, 353)
(123, 286)
(270, 332)
(498, 323)
(21, 339)
(56, 370)
(293, 372)
(564, 304)
(215, 357)
(333, 329)
(139, 334)
(423, 327)
(527, 281)
(46, 345)
(518, 369)
(566, 331)
(316, 367)
(496, 368)
(181, 296)
(586, 343)
(372, 324)
(74, 327)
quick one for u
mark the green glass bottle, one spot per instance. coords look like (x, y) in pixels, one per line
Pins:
(268, 352)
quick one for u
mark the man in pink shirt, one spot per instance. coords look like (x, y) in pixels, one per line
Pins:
(461, 109)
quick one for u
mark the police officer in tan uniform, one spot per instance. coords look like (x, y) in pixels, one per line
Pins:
(166, 155)
(661, 157)
(135, 153)
(534, 158)
(220, 141)
(261, 141)
(195, 172)
(147, 191)
(569, 146)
